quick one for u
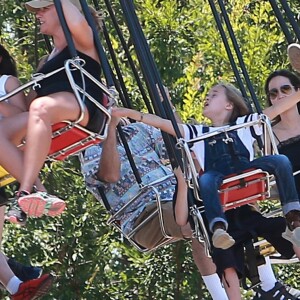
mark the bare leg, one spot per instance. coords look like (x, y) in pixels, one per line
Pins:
(38, 141)
(231, 283)
(5, 272)
(207, 270)
(204, 264)
(13, 130)
(43, 112)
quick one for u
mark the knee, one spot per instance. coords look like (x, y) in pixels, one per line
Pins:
(204, 179)
(39, 108)
(186, 230)
(204, 263)
(282, 158)
(282, 161)
(209, 181)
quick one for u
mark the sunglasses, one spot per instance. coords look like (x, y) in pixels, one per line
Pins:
(285, 89)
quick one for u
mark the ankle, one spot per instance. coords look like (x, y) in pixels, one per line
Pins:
(219, 225)
(293, 219)
(21, 193)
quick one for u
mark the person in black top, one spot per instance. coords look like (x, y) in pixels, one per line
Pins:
(286, 127)
(54, 100)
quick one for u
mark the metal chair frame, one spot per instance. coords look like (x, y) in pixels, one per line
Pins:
(80, 137)
(191, 176)
(115, 217)
(5, 177)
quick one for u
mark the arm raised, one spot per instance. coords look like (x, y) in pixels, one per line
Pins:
(281, 106)
(150, 119)
(81, 31)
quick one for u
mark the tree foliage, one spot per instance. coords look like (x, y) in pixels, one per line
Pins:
(91, 260)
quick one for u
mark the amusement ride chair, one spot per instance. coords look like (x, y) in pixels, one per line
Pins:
(248, 187)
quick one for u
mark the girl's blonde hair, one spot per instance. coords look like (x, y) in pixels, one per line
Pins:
(98, 17)
(234, 96)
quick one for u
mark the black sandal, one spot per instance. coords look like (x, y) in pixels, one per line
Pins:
(278, 292)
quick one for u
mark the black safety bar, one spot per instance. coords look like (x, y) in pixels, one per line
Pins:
(152, 78)
(281, 21)
(65, 28)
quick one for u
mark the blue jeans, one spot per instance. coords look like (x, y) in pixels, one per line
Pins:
(278, 165)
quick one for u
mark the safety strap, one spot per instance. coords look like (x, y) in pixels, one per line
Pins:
(152, 78)
(66, 30)
(104, 198)
(291, 18)
(129, 156)
(253, 258)
(132, 164)
(127, 52)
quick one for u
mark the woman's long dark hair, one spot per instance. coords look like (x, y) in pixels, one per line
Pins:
(7, 63)
(293, 78)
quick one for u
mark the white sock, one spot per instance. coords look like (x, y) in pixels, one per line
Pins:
(13, 285)
(266, 275)
(215, 287)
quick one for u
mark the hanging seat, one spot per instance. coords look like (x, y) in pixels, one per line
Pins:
(248, 187)
(70, 138)
(239, 189)
(115, 217)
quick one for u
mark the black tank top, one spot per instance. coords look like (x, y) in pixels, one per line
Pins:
(59, 82)
(290, 148)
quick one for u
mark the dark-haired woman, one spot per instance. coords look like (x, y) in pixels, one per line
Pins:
(279, 86)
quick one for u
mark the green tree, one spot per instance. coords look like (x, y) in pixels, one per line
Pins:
(91, 260)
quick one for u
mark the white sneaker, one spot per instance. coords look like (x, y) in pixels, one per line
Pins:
(221, 239)
(293, 51)
(292, 236)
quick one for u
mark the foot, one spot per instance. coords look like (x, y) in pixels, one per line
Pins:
(292, 236)
(15, 214)
(279, 291)
(294, 56)
(40, 203)
(221, 239)
(34, 289)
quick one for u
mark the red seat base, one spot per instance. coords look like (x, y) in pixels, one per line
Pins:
(248, 187)
(69, 139)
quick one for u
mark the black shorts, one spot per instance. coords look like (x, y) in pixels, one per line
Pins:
(244, 224)
(97, 118)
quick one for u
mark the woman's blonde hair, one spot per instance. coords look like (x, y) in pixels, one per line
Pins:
(234, 96)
